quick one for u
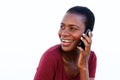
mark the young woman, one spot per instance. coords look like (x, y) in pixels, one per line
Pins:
(67, 60)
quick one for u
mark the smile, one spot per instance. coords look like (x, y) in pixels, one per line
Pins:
(66, 40)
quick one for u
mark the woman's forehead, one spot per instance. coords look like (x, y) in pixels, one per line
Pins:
(74, 16)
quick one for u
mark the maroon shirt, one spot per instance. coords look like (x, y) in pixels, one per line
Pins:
(51, 66)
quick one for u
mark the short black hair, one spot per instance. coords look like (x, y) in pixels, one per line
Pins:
(90, 18)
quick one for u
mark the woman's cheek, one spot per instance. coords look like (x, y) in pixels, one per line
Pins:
(59, 33)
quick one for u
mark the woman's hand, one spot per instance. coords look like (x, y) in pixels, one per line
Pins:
(84, 53)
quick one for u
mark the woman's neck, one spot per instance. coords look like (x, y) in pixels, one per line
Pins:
(71, 55)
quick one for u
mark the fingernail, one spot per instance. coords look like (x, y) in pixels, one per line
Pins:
(90, 33)
(83, 34)
(81, 38)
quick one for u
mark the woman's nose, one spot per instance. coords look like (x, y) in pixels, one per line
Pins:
(66, 32)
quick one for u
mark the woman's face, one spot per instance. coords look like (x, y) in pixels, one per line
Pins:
(71, 29)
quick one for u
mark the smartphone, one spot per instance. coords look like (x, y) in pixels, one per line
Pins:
(81, 44)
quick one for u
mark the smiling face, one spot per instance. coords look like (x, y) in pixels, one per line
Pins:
(71, 29)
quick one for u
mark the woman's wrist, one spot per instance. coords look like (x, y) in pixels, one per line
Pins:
(84, 72)
(83, 67)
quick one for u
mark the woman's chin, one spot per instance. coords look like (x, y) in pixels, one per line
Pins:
(67, 48)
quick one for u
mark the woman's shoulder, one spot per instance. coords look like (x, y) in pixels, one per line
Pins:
(92, 53)
(50, 58)
(52, 52)
(53, 49)
(93, 56)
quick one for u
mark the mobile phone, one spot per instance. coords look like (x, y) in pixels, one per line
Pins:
(81, 44)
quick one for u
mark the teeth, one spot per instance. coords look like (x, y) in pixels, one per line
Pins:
(67, 40)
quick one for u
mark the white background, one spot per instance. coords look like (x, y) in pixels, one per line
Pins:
(29, 27)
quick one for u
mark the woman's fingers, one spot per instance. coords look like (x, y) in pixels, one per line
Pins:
(87, 38)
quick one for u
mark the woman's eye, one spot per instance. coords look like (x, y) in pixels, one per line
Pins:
(62, 27)
(72, 28)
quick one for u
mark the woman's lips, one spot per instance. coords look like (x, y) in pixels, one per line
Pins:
(66, 42)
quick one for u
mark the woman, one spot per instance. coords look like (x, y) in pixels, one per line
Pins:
(67, 60)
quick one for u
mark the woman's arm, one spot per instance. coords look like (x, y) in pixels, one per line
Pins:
(84, 73)
(84, 57)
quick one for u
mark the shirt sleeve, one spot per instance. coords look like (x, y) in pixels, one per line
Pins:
(92, 64)
(46, 68)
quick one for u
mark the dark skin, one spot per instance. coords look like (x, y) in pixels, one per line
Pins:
(75, 59)
(70, 63)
